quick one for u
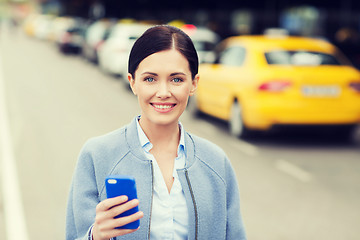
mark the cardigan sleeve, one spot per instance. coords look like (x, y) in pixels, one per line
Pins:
(235, 228)
(83, 198)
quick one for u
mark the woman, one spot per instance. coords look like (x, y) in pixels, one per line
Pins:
(186, 186)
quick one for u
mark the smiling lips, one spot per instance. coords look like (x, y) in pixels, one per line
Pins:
(163, 107)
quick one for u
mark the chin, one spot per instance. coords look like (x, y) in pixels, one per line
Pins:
(164, 120)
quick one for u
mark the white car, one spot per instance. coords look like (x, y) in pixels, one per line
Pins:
(43, 26)
(59, 27)
(113, 54)
(95, 36)
(204, 41)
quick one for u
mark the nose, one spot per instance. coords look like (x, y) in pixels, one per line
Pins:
(163, 90)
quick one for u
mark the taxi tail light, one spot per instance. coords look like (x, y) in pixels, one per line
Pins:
(97, 45)
(65, 38)
(189, 29)
(355, 86)
(275, 86)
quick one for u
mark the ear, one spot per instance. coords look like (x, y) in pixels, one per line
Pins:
(195, 82)
(132, 82)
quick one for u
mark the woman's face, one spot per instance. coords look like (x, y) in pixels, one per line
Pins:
(163, 84)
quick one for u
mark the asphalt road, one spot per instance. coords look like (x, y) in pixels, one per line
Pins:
(298, 185)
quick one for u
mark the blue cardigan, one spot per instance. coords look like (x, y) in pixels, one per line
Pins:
(208, 181)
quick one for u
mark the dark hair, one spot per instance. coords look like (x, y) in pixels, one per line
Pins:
(160, 38)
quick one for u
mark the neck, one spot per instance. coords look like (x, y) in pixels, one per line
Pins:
(161, 134)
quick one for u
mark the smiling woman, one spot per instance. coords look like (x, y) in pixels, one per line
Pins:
(186, 186)
(165, 89)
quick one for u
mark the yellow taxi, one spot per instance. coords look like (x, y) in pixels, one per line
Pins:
(258, 82)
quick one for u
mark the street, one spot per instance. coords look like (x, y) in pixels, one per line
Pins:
(293, 187)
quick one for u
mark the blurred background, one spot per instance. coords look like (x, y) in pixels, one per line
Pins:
(282, 98)
(337, 21)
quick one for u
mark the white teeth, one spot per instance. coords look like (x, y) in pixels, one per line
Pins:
(163, 106)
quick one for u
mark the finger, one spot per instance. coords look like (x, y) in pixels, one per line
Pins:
(111, 224)
(120, 232)
(119, 222)
(123, 207)
(111, 202)
(115, 232)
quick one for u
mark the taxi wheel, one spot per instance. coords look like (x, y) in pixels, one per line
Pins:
(192, 107)
(236, 123)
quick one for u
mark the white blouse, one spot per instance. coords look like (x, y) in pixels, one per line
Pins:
(169, 215)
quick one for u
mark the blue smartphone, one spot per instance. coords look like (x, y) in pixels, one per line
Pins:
(118, 185)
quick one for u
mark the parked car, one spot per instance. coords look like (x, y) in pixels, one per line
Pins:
(58, 26)
(204, 41)
(95, 35)
(42, 26)
(71, 39)
(114, 52)
(258, 82)
(30, 23)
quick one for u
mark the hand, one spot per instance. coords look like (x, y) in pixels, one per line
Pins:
(105, 221)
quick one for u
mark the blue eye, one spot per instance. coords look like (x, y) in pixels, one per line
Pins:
(177, 80)
(149, 79)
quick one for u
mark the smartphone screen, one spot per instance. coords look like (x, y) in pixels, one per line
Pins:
(118, 185)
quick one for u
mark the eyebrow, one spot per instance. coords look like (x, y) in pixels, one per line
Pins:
(172, 74)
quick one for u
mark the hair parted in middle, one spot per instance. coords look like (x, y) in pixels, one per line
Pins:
(160, 38)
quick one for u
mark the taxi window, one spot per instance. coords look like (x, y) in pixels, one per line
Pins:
(233, 56)
(301, 58)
